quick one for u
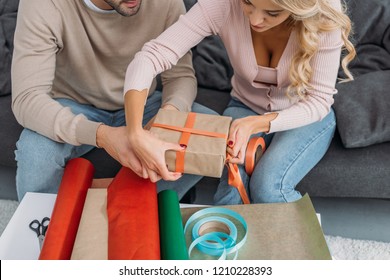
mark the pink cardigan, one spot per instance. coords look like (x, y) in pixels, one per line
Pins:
(226, 18)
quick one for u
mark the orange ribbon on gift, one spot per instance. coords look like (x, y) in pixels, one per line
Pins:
(234, 177)
(187, 130)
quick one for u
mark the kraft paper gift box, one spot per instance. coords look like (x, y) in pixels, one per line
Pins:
(204, 135)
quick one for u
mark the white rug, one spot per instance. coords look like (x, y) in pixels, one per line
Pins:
(354, 249)
(7, 209)
(341, 248)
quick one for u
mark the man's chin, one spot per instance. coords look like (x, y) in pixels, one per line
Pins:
(130, 8)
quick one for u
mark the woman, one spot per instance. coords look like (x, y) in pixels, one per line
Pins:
(285, 55)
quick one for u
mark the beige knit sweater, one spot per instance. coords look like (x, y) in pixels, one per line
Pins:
(63, 49)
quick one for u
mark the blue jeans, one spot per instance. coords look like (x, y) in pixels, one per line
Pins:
(41, 161)
(289, 156)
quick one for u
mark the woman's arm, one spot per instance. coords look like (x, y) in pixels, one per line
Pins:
(155, 57)
(319, 99)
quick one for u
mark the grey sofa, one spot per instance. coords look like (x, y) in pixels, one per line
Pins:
(357, 163)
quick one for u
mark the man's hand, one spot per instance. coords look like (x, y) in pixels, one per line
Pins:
(114, 141)
(142, 152)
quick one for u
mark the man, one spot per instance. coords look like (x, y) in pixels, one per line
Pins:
(69, 64)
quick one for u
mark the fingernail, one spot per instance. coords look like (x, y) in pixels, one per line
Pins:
(230, 143)
(183, 146)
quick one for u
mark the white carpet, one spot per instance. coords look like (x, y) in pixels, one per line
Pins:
(7, 209)
(341, 248)
(354, 249)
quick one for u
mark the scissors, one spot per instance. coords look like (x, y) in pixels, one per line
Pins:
(40, 229)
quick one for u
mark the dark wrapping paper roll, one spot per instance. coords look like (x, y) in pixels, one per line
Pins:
(132, 211)
(68, 207)
(172, 239)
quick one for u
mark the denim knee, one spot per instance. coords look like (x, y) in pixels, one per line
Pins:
(41, 161)
(36, 164)
(266, 187)
(201, 109)
(290, 156)
(181, 186)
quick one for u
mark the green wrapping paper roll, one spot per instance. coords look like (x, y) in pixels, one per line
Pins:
(172, 240)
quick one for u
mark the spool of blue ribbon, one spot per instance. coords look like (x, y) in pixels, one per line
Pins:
(223, 240)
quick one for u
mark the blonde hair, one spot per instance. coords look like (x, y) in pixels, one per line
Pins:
(310, 18)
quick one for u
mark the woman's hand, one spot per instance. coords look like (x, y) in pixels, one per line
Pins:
(150, 151)
(240, 133)
(135, 147)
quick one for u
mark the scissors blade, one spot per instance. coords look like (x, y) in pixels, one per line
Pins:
(41, 239)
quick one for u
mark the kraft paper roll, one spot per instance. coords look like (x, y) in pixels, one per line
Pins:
(268, 224)
(132, 211)
(173, 243)
(68, 207)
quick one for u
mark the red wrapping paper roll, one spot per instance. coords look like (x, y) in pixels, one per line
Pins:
(68, 207)
(132, 210)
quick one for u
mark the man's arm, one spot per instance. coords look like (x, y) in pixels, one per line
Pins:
(37, 40)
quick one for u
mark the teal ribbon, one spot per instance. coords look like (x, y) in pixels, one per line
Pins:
(216, 243)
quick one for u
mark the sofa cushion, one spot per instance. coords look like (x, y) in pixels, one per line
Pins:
(361, 172)
(189, 3)
(361, 105)
(9, 132)
(212, 65)
(8, 10)
(371, 35)
(211, 62)
(362, 110)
